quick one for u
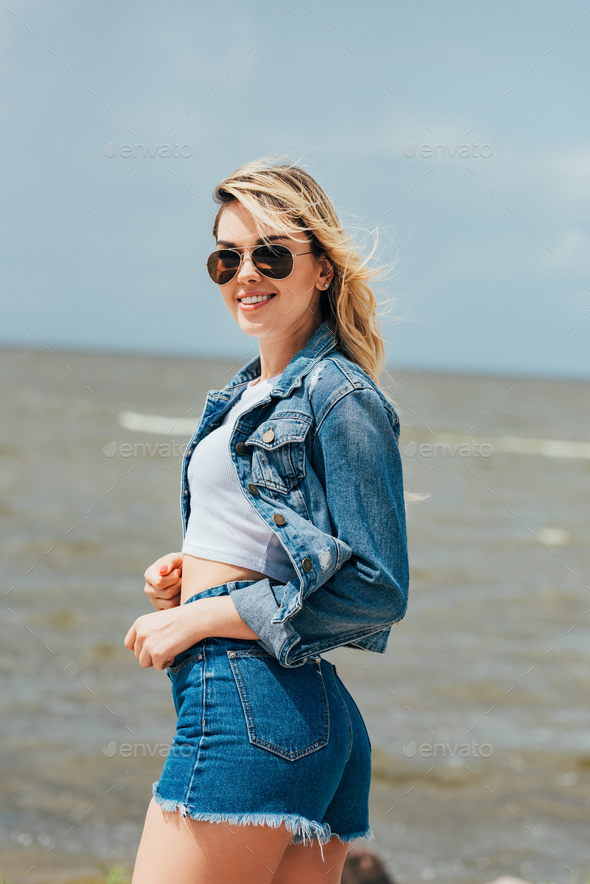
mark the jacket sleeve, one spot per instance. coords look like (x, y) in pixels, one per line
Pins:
(356, 457)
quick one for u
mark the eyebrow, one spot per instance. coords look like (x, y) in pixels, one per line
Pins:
(259, 242)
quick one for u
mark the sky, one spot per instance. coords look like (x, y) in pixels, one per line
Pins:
(490, 233)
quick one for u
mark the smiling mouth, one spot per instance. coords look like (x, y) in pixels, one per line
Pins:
(256, 299)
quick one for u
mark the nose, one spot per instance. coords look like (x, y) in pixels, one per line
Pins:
(248, 272)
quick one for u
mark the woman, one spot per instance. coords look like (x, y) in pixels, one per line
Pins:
(294, 543)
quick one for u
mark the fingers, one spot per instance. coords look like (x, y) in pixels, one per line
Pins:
(145, 658)
(162, 581)
(134, 642)
(137, 640)
(164, 592)
(147, 661)
(161, 604)
(130, 639)
(166, 595)
(170, 562)
(163, 567)
(164, 578)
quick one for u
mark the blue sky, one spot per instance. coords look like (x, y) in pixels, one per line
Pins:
(493, 256)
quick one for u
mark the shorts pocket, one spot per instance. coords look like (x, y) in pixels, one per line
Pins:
(286, 710)
(182, 660)
(186, 678)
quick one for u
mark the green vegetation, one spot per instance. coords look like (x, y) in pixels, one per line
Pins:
(112, 875)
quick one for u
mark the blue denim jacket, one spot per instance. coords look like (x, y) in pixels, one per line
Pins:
(329, 484)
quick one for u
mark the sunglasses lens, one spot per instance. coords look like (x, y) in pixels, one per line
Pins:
(223, 265)
(275, 262)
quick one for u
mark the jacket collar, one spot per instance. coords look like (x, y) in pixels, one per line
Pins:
(322, 341)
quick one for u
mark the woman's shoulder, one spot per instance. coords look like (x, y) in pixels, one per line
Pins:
(335, 377)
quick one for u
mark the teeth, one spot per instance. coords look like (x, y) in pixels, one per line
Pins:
(255, 299)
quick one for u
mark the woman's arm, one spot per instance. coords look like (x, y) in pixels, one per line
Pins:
(358, 462)
(357, 459)
(157, 638)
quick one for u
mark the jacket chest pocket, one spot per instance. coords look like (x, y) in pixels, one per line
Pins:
(278, 454)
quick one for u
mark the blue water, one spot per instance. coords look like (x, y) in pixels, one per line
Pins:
(494, 649)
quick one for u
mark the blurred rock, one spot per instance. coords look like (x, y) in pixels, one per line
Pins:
(363, 867)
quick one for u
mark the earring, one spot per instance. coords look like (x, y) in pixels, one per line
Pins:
(327, 285)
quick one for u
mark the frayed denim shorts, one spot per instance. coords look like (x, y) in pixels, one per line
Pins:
(259, 743)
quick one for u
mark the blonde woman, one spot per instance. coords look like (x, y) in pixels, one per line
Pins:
(294, 543)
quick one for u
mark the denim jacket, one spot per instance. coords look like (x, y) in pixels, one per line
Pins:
(328, 481)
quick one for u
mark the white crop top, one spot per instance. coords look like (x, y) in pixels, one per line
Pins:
(223, 526)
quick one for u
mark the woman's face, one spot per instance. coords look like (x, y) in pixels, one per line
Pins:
(288, 306)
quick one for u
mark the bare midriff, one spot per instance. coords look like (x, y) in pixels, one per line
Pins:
(200, 574)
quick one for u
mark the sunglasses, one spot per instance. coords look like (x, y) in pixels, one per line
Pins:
(274, 261)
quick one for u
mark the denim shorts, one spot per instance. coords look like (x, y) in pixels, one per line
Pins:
(259, 743)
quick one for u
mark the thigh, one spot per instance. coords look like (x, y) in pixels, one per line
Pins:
(304, 863)
(179, 850)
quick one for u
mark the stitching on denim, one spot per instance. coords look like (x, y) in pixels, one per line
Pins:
(299, 504)
(349, 373)
(250, 724)
(281, 440)
(350, 731)
(202, 725)
(203, 592)
(340, 560)
(286, 648)
(174, 669)
(262, 466)
(285, 413)
(228, 582)
(322, 647)
(334, 399)
(338, 396)
(363, 383)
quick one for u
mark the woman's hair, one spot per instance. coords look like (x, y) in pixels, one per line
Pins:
(283, 196)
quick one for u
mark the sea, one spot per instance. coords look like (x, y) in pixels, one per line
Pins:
(478, 712)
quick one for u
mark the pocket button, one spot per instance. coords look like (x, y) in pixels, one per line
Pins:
(307, 565)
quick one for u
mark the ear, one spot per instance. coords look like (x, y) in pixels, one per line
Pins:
(327, 274)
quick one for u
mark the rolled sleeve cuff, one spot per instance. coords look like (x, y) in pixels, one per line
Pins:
(256, 604)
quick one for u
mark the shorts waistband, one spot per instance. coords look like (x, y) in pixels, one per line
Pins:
(221, 589)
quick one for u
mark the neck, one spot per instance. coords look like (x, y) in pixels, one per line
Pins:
(277, 352)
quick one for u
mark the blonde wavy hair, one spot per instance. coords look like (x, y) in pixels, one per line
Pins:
(283, 196)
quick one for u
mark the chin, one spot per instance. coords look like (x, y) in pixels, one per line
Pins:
(253, 326)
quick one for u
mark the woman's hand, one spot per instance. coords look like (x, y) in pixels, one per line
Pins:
(163, 581)
(157, 638)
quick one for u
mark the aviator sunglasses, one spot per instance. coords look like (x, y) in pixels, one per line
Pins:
(273, 261)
